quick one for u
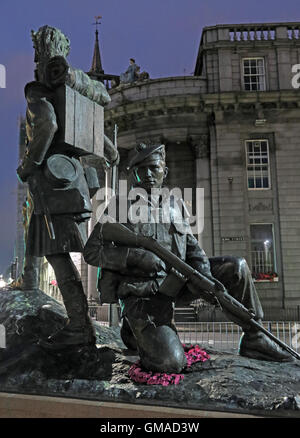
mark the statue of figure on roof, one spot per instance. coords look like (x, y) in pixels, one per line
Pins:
(130, 74)
(133, 74)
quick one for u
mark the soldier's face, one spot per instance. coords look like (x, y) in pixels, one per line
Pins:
(151, 173)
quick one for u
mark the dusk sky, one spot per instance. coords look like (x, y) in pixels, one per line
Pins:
(162, 35)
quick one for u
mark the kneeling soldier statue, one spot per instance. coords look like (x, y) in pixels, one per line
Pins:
(152, 266)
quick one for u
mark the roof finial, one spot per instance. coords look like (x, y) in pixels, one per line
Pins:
(96, 63)
(98, 17)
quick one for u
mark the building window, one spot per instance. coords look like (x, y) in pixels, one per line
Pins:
(254, 74)
(258, 164)
(263, 259)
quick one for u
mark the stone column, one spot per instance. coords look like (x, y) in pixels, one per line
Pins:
(284, 68)
(201, 150)
(225, 70)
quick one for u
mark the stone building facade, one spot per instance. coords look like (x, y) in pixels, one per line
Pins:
(233, 129)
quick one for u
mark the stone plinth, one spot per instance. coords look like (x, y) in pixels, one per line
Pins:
(226, 383)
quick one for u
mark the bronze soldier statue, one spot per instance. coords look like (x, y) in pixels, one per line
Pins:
(136, 277)
(60, 186)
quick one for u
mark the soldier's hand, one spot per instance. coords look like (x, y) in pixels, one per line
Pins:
(25, 171)
(144, 260)
(219, 286)
(199, 293)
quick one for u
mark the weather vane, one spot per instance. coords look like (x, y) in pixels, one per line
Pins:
(97, 18)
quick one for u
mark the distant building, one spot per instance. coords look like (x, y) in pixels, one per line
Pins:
(233, 128)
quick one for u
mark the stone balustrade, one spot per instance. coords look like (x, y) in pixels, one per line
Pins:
(251, 32)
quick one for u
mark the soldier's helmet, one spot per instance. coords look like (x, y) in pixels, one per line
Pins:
(143, 151)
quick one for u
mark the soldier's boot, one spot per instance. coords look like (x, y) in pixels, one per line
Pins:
(253, 343)
(79, 329)
(31, 273)
(234, 274)
(159, 347)
(128, 337)
(257, 345)
(30, 279)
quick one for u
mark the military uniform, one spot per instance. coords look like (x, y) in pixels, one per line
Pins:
(141, 281)
(57, 182)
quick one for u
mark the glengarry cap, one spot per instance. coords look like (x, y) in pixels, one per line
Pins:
(141, 152)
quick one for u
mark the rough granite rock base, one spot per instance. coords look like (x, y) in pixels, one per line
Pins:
(226, 382)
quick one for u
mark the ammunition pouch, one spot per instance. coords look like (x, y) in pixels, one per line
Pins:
(172, 283)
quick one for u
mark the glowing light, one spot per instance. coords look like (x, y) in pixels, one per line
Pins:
(2, 282)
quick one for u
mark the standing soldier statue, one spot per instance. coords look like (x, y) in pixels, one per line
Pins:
(64, 122)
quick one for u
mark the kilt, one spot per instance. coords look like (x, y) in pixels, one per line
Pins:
(70, 235)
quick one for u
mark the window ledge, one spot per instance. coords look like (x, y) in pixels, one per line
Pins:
(274, 280)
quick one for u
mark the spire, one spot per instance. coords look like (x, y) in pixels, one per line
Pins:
(96, 72)
(96, 63)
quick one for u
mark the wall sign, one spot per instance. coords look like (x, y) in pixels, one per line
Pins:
(232, 239)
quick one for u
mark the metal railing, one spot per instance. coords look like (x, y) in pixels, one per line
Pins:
(209, 313)
(100, 314)
(222, 335)
(261, 262)
(226, 335)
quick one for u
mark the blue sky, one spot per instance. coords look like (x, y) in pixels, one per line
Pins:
(162, 35)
